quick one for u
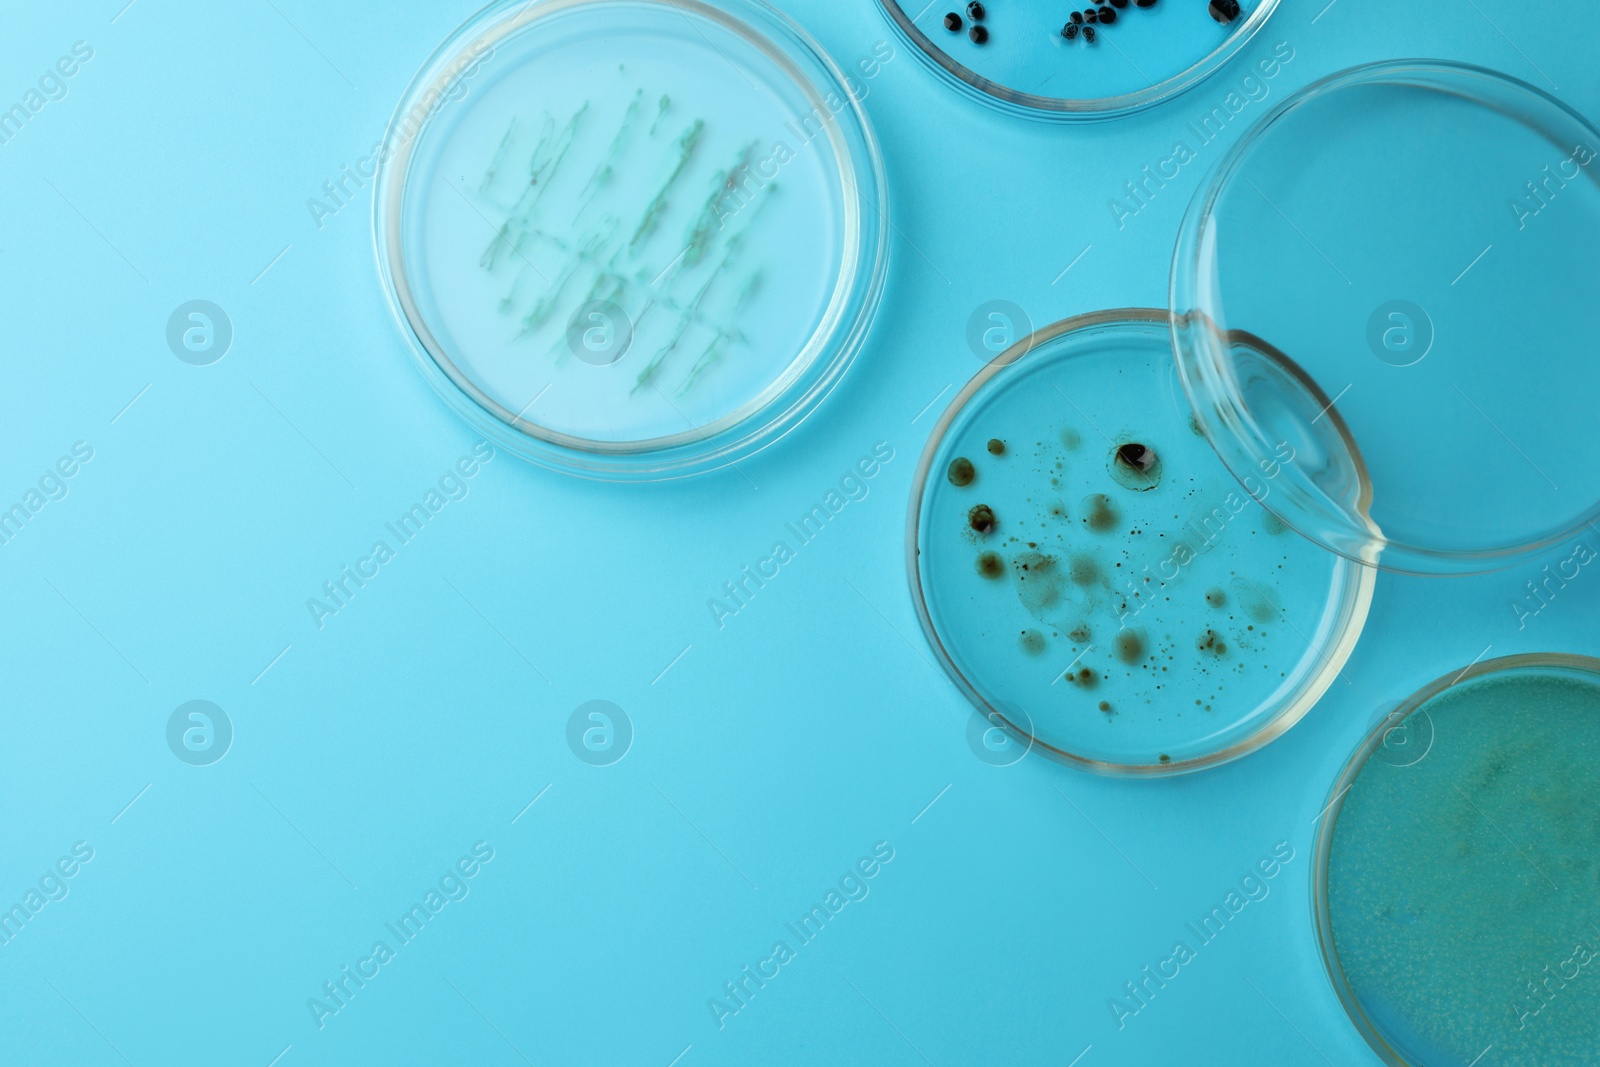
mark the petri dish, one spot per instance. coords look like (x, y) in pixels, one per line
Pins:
(1456, 870)
(631, 239)
(1418, 236)
(1027, 64)
(1096, 583)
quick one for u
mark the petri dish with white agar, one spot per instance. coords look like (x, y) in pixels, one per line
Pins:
(1419, 237)
(632, 239)
(1096, 582)
(1457, 866)
(1099, 61)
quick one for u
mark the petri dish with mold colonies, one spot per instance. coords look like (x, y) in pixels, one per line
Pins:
(632, 239)
(1457, 864)
(1096, 582)
(1100, 61)
(1418, 236)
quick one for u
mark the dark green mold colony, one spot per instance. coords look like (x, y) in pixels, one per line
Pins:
(1135, 466)
(1099, 513)
(1105, 562)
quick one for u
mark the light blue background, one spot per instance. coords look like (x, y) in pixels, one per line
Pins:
(772, 754)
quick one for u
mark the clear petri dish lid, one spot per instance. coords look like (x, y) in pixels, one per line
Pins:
(1456, 868)
(1418, 237)
(1097, 61)
(1093, 579)
(632, 238)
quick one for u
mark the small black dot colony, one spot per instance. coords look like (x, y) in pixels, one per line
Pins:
(978, 34)
(1082, 23)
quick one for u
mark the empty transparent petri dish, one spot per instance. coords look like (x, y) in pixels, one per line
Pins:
(1100, 61)
(1419, 238)
(1456, 867)
(1096, 582)
(632, 239)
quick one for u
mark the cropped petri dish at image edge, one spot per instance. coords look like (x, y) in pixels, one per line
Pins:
(1102, 60)
(1096, 582)
(1419, 237)
(1457, 866)
(632, 239)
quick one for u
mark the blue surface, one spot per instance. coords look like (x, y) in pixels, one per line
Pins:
(769, 755)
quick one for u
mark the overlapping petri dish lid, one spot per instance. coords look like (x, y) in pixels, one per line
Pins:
(1417, 239)
(1104, 59)
(632, 239)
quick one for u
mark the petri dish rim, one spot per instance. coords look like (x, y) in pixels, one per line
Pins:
(1202, 363)
(1354, 603)
(1322, 921)
(809, 376)
(1064, 109)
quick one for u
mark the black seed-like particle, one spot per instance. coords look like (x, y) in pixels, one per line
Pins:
(1089, 15)
(975, 11)
(1119, 4)
(1224, 11)
(1070, 31)
(1145, 3)
(1077, 18)
(952, 22)
(1108, 15)
(1088, 34)
(978, 34)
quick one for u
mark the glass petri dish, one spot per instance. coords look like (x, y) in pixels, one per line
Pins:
(1096, 583)
(632, 239)
(1027, 66)
(1457, 866)
(1418, 236)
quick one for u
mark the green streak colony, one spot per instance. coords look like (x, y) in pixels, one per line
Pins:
(617, 252)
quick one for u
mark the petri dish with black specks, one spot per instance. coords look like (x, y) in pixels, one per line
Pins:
(1458, 868)
(632, 239)
(1100, 62)
(1105, 588)
(1419, 236)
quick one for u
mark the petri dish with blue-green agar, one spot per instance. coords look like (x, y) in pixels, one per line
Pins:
(1457, 875)
(1418, 236)
(1095, 61)
(1092, 577)
(632, 239)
